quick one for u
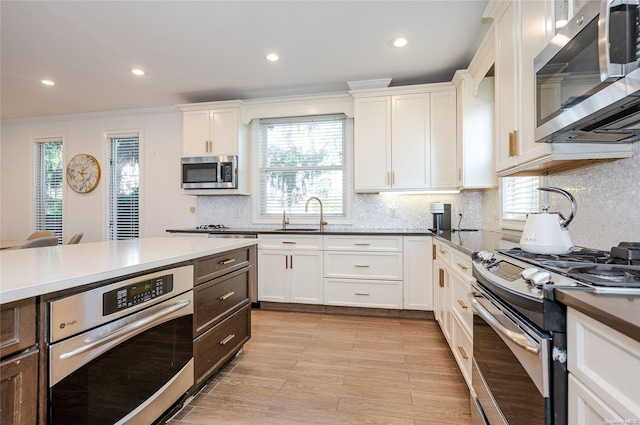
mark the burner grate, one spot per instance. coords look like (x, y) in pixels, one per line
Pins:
(211, 227)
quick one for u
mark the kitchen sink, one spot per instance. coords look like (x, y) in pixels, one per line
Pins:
(297, 229)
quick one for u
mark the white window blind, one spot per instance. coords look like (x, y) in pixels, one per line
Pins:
(520, 197)
(124, 187)
(48, 186)
(301, 157)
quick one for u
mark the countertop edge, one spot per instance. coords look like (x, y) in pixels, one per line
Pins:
(590, 304)
(33, 289)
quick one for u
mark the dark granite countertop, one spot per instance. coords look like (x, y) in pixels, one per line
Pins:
(620, 312)
(465, 241)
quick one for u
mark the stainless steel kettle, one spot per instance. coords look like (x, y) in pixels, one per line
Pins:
(546, 232)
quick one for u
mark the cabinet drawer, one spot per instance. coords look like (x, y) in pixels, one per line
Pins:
(462, 347)
(372, 265)
(210, 267)
(363, 243)
(290, 242)
(213, 348)
(17, 326)
(363, 293)
(615, 381)
(461, 263)
(214, 298)
(460, 303)
(443, 252)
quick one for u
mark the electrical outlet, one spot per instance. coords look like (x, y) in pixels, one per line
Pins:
(192, 209)
(393, 212)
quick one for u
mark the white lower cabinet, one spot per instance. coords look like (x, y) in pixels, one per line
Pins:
(418, 287)
(363, 293)
(452, 280)
(604, 372)
(290, 269)
(363, 271)
(375, 271)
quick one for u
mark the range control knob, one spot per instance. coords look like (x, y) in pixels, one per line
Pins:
(527, 274)
(485, 256)
(541, 278)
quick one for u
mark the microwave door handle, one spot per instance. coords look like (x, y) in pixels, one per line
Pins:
(609, 71)
(517, 338)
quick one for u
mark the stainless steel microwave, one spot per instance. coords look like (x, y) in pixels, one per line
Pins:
(209, 172)
(588, 78)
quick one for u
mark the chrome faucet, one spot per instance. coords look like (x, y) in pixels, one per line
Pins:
(306, 207)
(285, 220)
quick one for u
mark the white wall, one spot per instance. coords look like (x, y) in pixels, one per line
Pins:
(162, 203)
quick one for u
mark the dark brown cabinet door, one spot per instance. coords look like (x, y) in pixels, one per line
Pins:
(17, 326)
(19, 386)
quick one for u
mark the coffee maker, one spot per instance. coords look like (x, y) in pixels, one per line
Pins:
(441, 217)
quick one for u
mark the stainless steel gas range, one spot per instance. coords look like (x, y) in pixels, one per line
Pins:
(519, 329)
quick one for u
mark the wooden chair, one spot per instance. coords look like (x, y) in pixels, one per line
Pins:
(40, 234)
(75, 238)
(39, 242)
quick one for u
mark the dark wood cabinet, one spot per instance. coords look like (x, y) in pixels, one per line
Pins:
(19, 364)
(222, 309)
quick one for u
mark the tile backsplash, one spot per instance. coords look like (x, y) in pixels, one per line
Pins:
(607, 195)
(388, 211)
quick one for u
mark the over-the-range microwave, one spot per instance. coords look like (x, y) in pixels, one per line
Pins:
(588, 78)
(209, 172)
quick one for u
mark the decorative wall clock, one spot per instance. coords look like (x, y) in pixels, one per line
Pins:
(83, 173)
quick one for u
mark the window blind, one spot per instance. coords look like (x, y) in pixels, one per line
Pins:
(124, 187)
(301, 157)
(520, 197)
(49, 183)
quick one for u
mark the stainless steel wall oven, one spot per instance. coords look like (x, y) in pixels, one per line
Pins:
(121, 353)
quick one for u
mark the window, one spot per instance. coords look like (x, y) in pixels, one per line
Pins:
(48, 186)
(519, 197)
(123, 204)
(298, 158)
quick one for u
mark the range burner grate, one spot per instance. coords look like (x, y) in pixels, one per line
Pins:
(211, 227)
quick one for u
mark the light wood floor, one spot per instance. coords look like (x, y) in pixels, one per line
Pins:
(308, 368)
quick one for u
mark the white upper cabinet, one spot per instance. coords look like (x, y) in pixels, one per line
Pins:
(475, 135)
(522, 30)
(211, 128)
(444, 166)
(396, 134)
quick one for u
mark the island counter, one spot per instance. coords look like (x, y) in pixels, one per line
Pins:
(33, 272)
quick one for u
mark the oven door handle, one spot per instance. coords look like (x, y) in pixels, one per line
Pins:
(516, 338)
(145, 321)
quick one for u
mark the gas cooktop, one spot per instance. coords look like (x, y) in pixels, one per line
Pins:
(619, 268)
(212, 227)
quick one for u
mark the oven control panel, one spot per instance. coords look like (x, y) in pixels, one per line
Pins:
(135, 293)
(505, 270)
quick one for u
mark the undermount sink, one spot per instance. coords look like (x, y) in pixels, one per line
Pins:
(297, 229)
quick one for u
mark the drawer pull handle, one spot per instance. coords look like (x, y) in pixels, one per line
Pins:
(441, 277)
(289, 242)
(228, 261)
(362, 293)
(361, 265)
(463, 304)
(227, 339)
(361, 243)
(462, 266)
(463, 353)
(228, 294)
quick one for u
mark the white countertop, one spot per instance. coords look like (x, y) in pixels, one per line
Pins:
(36, 271)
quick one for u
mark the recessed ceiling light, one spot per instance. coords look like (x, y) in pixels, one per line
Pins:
(137, 71)
(272, 57)
(48, 83)
(399, 42)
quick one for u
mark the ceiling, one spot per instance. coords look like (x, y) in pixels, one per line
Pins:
(197, 51)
